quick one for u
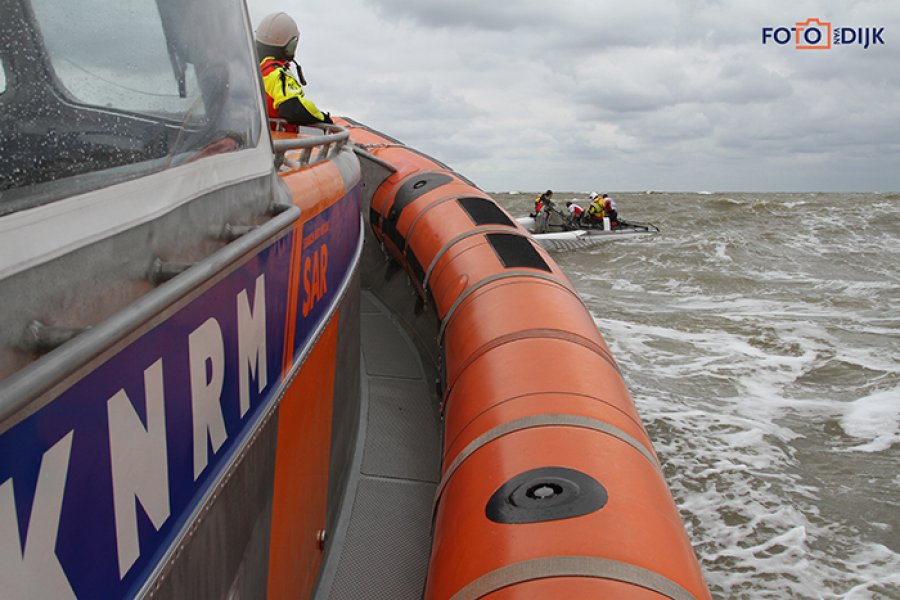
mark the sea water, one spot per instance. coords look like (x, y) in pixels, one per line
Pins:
(759, 335)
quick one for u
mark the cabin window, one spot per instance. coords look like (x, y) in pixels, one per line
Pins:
(116, 55)
(100, 92)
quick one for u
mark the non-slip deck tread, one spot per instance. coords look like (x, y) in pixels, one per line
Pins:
(397, 444)
(385, 549)
(386, 352)
(367, 305)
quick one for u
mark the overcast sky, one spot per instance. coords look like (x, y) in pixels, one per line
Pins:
(612, 95)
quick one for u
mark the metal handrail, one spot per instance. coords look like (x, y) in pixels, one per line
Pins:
(361, 152)
(17, 391)
(333, 141)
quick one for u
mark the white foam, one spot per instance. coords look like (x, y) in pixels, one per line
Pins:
(766, 336)
(721, 253)
(626, 286)
(875, 418)
(877, 567)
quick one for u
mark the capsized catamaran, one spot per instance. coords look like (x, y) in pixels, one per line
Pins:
(244, 364)
(552, 231)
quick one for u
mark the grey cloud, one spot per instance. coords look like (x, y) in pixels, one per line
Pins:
(411, 110)
(690, 80)
(672, 124)
(493, 16)
(522, 94)
(623, 99)
(744, 83)
(588, 23)
(793, 128)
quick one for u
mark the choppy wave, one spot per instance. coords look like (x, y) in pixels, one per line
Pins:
(875, 418)
(760, 337)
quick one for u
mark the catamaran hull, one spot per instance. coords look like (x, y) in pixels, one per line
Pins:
(583, 238)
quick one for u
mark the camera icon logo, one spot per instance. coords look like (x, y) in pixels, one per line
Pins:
(812, 34)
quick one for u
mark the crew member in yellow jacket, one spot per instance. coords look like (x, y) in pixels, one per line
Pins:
(596, 210)
(276, 43)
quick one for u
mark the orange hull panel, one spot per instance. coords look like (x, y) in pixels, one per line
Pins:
(507, 314)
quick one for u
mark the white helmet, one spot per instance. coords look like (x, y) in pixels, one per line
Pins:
(593, 195)
(277, 30)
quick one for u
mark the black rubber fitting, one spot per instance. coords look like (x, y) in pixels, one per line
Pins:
(546, 494)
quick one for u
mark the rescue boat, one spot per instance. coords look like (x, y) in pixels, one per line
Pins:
(237, 363)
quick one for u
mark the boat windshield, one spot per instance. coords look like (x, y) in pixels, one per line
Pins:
(95, 92)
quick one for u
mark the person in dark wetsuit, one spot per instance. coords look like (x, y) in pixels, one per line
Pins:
(545, 199)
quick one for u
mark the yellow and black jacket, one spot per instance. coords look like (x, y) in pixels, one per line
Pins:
(284, 95)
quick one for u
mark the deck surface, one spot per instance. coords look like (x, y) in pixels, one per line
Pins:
(385, 546)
